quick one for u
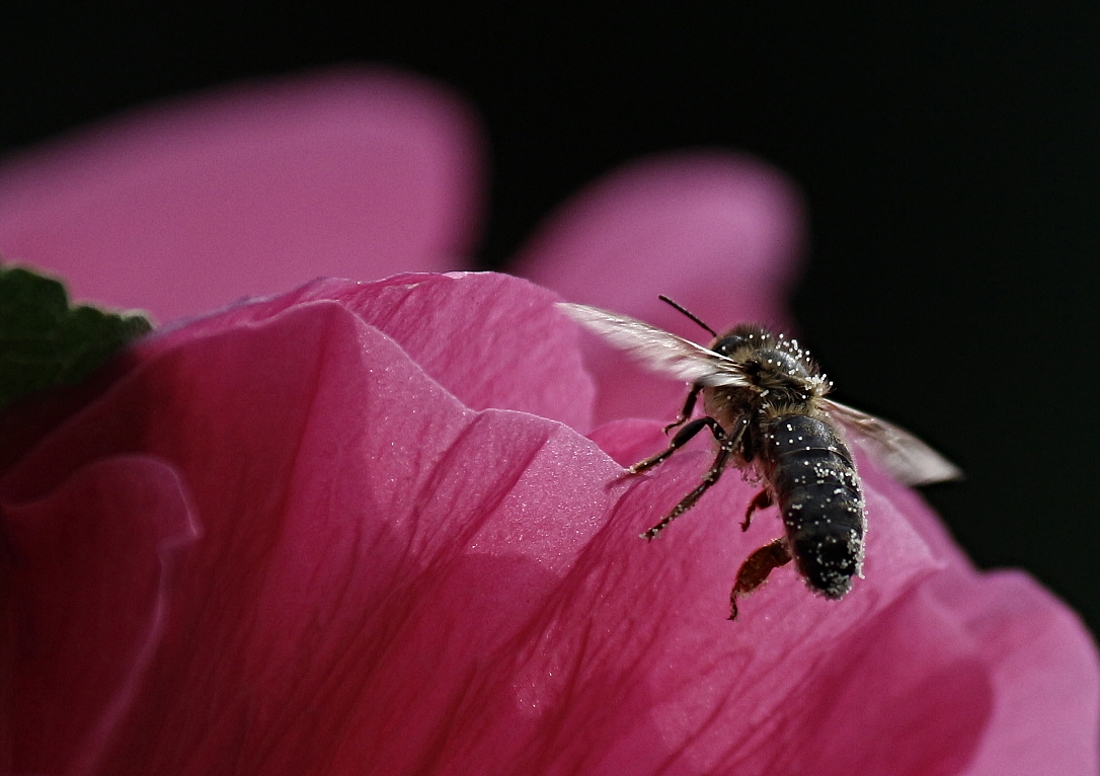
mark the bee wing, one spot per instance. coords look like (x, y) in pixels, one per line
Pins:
(904, 456)
(658, 349)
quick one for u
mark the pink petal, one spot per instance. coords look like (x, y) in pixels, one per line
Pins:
(83, 583)
(492, 340)
(1041, 657)
(314, 421)
(254, 188)
(1042, 665)
(718, 233)
(389, 581)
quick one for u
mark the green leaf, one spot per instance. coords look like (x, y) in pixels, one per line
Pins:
(44, 342)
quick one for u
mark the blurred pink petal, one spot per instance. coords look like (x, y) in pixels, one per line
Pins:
(253, 188)
(340, 567)
(719, 233)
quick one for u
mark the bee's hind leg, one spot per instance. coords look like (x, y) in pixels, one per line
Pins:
(754, 571)
(761, 500)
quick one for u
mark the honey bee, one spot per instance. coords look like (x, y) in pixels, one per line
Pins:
(764, 401)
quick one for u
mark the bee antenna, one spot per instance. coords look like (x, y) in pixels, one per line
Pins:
(688, 313)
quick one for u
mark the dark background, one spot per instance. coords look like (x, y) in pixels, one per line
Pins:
(949, 153)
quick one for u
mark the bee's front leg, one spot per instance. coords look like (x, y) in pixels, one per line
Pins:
(683, 436)
(727, 445)
(689, 407)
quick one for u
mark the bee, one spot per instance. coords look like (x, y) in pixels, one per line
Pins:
(764, 402)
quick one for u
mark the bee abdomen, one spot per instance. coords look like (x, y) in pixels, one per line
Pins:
(819, 495)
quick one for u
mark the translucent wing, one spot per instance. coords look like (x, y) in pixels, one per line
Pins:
(903, 455)
(657, 349)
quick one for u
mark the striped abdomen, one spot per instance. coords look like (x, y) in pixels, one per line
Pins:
(819, 496)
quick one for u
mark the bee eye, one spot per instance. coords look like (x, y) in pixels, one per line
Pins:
(728, 344)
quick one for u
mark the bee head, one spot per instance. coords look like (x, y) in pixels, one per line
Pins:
(728, 344)
(743, 339)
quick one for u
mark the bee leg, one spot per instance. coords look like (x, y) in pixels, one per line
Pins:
(754, 571)
(689, 407)
(727, 444)
(683, 436)
(762, 500)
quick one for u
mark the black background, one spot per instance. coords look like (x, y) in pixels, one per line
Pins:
(949, 153)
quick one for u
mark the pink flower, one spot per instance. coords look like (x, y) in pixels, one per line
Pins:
(359, 527)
